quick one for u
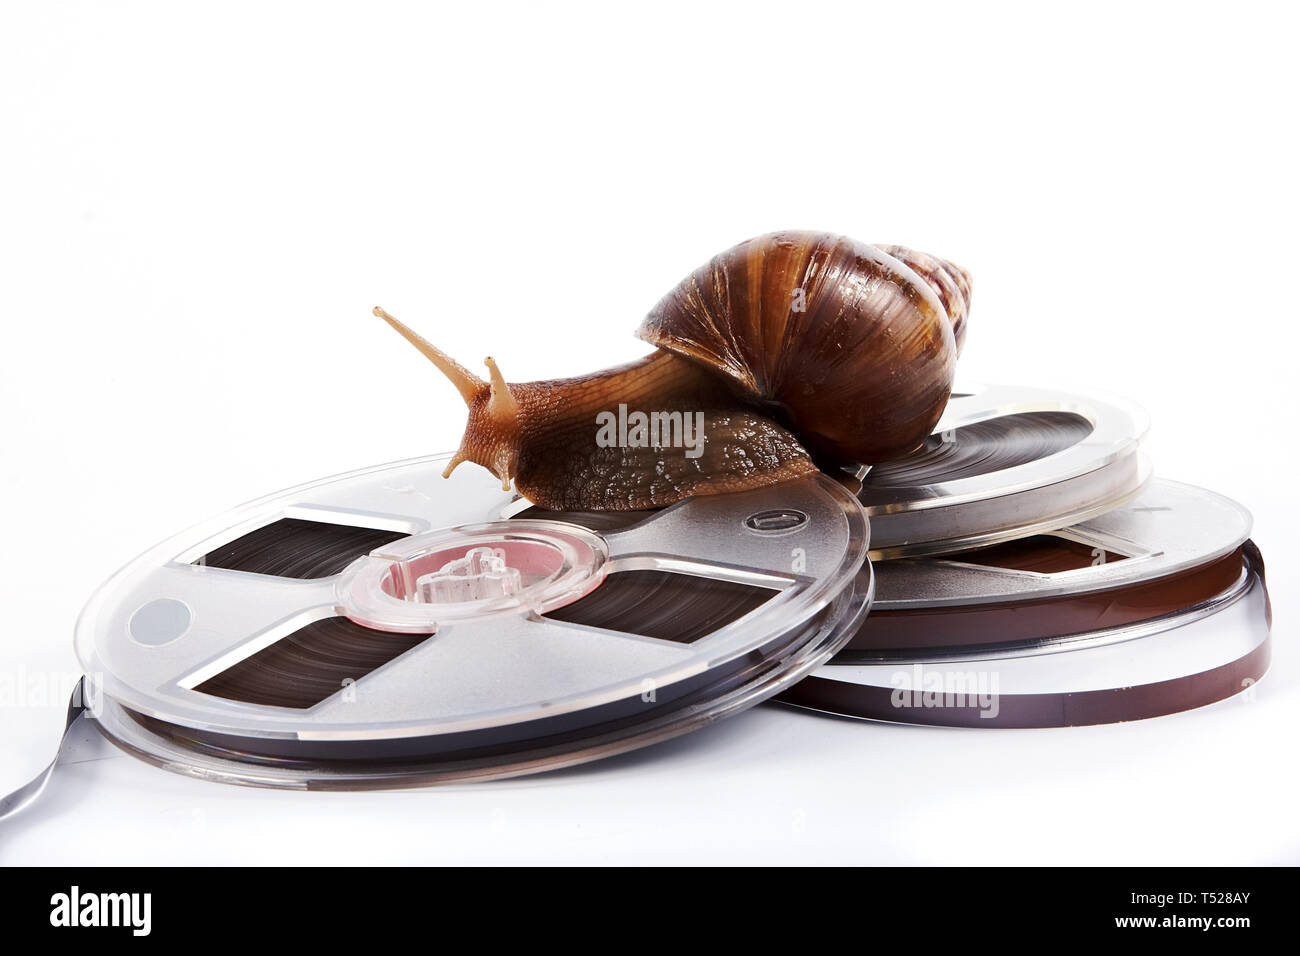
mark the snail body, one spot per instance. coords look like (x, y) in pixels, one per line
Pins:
(787, 346)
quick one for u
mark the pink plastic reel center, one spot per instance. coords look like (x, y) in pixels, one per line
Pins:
(415, 584)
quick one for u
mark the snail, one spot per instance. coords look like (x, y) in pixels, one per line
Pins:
(790, 350)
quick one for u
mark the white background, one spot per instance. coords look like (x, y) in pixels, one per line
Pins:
(199, 204)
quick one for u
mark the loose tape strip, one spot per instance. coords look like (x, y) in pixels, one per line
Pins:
(22, 797)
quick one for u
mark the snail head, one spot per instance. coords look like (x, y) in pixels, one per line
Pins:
(492, 433)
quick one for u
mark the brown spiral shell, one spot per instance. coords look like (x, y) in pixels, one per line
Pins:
(854, 346)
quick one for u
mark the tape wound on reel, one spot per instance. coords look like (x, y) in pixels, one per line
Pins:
(982, 447)
(1186, 663)
(1171, 613)
(484, 649)
(1003, 463)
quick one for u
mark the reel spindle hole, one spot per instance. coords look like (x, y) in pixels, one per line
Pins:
(416, 584)
(486, 570)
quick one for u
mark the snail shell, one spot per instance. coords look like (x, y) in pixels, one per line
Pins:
(853, 346)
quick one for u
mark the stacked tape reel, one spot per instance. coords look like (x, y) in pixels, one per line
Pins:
(388, 628)
(1034, 575)
(1003, 463)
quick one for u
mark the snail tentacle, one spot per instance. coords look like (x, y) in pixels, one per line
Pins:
(466, 382)
(492, 437)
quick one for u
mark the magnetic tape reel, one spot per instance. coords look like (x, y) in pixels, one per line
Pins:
(1005, 462)
(381, 629)
(1152, 608)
